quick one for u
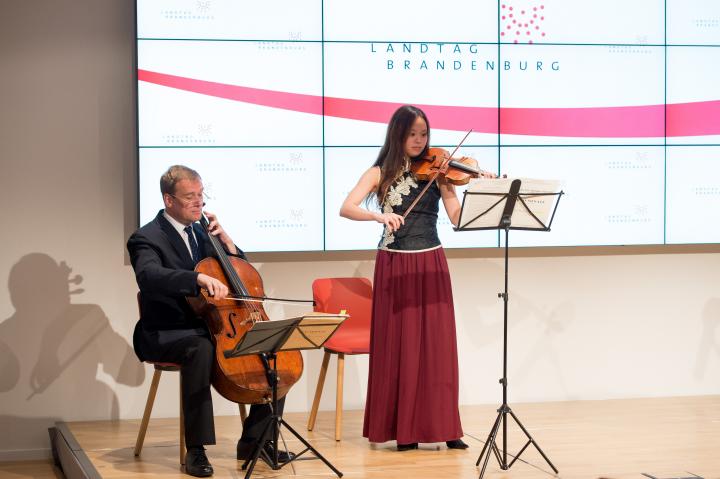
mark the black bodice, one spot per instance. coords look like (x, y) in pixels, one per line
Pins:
(420, 229)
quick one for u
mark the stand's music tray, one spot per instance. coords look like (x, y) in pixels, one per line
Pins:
(493, 204)
(266, 339)
(294, 334)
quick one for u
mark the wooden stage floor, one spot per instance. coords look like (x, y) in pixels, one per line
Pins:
(618, 439)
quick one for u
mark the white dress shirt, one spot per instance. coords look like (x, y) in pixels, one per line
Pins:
(181, 230)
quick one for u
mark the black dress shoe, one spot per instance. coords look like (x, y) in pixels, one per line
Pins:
(407, 447)
(456, 444)
(197, 464)
(246, 449)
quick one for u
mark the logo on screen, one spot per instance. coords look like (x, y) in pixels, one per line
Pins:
(205, 130)
(202, 11)
(204, 5)
(297, 214)
(522, 22)
(296, 161)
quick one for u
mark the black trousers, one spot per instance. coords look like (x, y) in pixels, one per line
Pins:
(195, 353)
(258, 419)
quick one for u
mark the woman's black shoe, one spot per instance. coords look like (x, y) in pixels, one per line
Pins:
(407, 447)
(456, 444)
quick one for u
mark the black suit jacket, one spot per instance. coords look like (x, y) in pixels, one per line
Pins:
(164, 272)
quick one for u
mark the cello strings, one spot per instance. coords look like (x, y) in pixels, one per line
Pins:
(230, 273)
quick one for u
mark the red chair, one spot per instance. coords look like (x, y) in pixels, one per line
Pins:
(332, 295)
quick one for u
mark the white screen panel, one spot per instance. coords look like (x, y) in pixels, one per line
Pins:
(693, 194)
(587, 21)
(343, 168)
(613, 195)
(229, 93)
(418, 21)
(693, 95)
(444, 77)
(693, 22)
(230, 19)
(582, 94)
(268, 199)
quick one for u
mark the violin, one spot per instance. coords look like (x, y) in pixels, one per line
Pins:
(242, 379)
(438, 163)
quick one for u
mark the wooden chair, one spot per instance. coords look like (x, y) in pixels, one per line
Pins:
(332, 295)
(159, 368)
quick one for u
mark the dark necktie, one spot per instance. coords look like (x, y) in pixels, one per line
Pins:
(193, 243)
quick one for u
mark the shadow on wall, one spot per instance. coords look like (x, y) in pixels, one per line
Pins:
(478, 310)
(58, 360)
(535, 326)
(550, 324)
(710, 338)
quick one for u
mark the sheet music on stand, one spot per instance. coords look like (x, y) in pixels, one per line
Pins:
(313, 330)
(537, 198)
(293, 334)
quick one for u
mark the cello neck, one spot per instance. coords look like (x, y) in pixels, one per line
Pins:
(234, 280)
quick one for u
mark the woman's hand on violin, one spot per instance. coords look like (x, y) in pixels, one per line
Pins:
(214, 287)
(488, 175)
(216, 230)
(390, 220)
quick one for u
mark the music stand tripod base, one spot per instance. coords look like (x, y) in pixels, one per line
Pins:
(491, 443)
(272, 429)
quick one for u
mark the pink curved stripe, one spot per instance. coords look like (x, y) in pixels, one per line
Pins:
(647, 121)
(461, 118)
(598, 122)
(275, 99)
(693, 119)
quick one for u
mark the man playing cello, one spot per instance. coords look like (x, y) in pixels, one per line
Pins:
(163, 254)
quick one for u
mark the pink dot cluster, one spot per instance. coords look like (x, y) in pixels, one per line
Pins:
(521, 23)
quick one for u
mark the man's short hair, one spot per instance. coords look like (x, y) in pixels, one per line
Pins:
(174, 174)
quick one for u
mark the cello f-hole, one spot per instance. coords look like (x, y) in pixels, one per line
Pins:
(232, 325)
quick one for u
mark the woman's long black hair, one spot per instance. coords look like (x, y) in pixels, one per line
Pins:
(391, 158)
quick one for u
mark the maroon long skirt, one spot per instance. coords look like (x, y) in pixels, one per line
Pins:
(413, 378)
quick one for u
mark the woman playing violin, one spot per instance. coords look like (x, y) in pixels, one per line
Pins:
(413, 378)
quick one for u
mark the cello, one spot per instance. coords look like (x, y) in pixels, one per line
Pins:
(242, 379)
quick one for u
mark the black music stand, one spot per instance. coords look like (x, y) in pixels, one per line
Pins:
(481, 211)
(266, 339)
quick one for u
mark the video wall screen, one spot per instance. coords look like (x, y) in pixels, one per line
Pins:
(281, 105)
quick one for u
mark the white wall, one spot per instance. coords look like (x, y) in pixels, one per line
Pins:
(584, 323)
